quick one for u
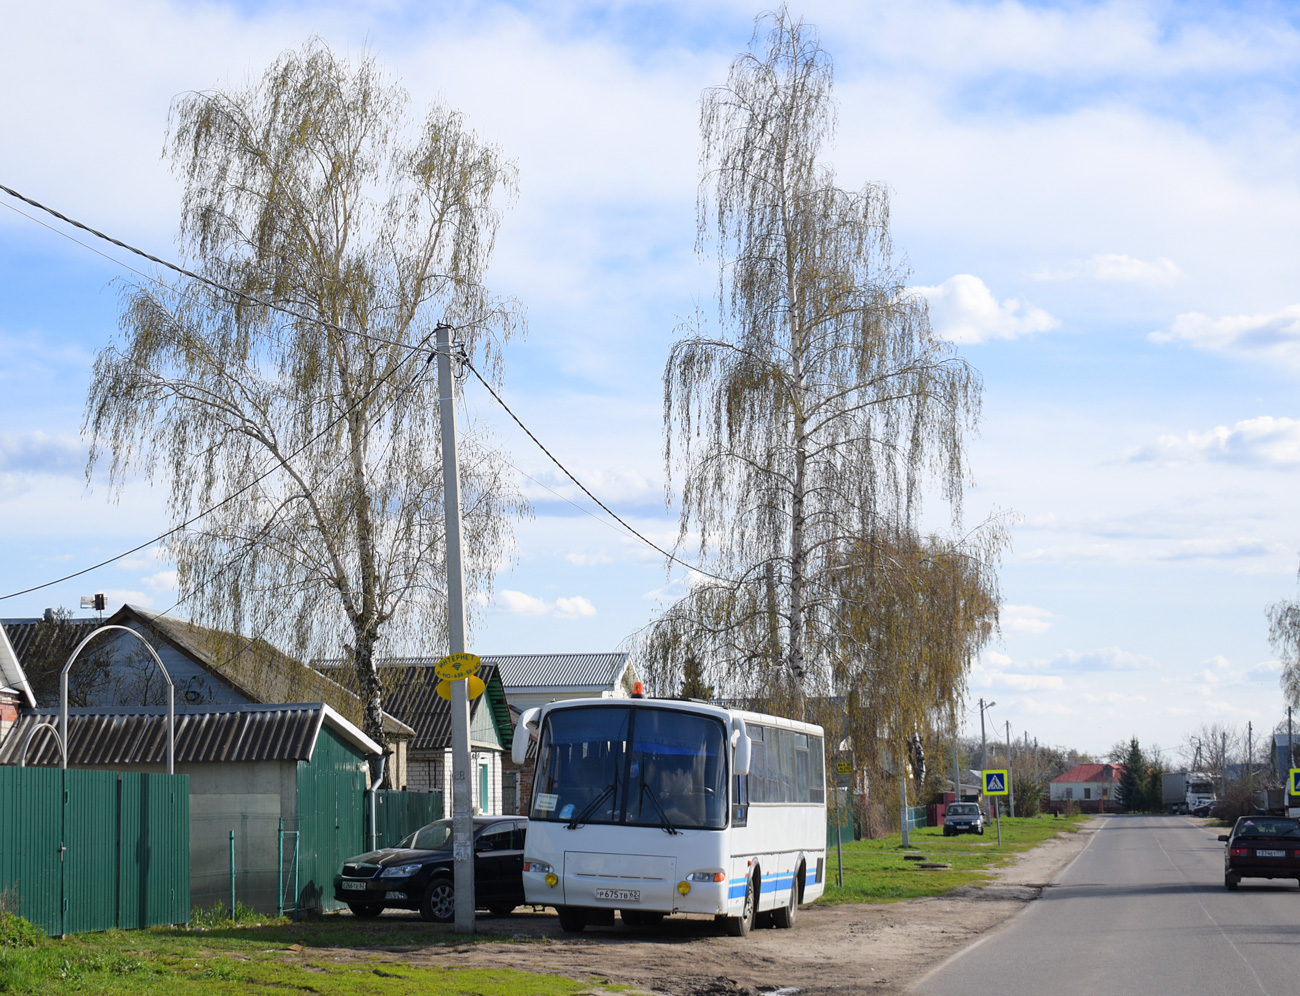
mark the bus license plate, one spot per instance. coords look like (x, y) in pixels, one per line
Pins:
(360, 886)
(1270, 854)
(625, 895)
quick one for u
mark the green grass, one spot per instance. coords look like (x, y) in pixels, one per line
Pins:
(275, 959)
(875, 872)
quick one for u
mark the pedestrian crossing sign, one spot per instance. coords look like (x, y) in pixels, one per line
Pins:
(997, 782)
(1295, 781)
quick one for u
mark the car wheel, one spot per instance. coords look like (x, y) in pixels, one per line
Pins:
(366, 911)
(784, 918)
(572, 919)
(981, 831)
(740, 926)
(947, 832)
(439, 902)
(1230, 882)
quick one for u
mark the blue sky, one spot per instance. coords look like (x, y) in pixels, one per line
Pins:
(1101, 202)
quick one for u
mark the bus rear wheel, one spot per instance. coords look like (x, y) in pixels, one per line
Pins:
(740, 926)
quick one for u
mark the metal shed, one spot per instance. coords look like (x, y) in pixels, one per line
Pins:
(271, 775)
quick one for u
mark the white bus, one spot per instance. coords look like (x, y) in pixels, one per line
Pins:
(659, 806)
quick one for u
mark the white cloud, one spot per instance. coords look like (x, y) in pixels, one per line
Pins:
(1115, 267)
(162, 581)
(1027, 682)
(517, 603)
(588, 559)
(1265, 440)
(1025, 619)
(964, 310)
(576, 607)
(41, 453)
(1274, 337)
(522, 604)
(1105, 659)
(121, 596)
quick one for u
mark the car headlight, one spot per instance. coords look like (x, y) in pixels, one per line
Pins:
(400, 871)
(540, 867)
(706, 877)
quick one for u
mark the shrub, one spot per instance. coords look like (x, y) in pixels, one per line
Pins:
(16, 932)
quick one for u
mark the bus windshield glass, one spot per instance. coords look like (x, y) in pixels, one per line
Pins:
(636, 766)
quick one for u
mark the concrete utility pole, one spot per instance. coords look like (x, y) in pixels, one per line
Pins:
(956, 763)
(984, 746)
(1011, 782)
(1250, 754)
(1223, 763)
(462, 825)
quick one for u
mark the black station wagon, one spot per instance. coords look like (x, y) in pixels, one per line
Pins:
(417, 874)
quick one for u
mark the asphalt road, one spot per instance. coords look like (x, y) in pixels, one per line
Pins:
(1142, 910)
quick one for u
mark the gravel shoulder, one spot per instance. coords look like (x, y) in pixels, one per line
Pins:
(845, 948)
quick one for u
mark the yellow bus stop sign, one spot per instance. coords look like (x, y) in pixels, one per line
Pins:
(456, 666)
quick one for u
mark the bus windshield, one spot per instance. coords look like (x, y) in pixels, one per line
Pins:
(629, 765)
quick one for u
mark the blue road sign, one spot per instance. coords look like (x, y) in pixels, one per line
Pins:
(997, 782)
(1295, 781)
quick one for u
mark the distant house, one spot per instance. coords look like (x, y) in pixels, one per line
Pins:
(535, 679)
(15, 692)
(1091, 787)
(277, 793)
(410, 693)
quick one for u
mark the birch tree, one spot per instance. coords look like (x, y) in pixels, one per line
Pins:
(822, 406)
(315, 435)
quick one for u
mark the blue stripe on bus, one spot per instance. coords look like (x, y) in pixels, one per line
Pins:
(777, 882)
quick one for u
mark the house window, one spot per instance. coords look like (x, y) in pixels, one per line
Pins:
(1087, 793)
(1069, 793)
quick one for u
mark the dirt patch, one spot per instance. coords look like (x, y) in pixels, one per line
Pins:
(838, 949)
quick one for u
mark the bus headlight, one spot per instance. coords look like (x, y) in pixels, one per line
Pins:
(539, 867)
(705, 877)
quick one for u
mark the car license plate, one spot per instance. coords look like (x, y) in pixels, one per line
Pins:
(1270, 854)
(625, 895)
(359, 886)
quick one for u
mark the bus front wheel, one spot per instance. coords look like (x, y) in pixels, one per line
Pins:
(572, 919)
(740, 926)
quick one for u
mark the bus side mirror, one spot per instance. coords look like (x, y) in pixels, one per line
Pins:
(524, 731)
(740, 755)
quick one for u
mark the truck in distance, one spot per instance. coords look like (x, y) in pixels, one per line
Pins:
(1185, 791)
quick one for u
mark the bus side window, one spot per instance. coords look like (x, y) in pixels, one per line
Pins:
(817, 776)
(740, 801)
(757, 765)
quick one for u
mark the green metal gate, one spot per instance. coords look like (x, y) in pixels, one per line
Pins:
(399, 813)
(90, 850)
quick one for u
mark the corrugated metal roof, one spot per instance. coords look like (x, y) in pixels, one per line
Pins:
(569, 671)
(410, 692)
(256, 668)
(203, 734)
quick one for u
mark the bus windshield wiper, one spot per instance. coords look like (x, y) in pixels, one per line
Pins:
(663, 817)
(590, 807)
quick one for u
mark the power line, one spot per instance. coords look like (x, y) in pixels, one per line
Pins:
(177, 268)
(277, 465)
(587, 491)
(262, 302)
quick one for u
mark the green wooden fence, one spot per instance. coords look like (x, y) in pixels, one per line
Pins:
(92, 850)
